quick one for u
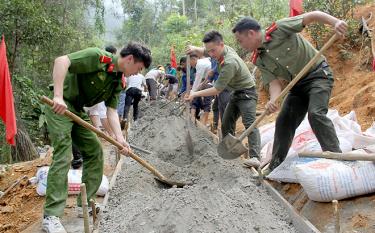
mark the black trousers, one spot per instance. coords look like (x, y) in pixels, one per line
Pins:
(242, 103)
(133, 96)
(218, 107)
(310, 95)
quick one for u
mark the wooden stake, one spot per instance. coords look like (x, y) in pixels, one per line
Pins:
(93, 207)
(85, 210)
(336, 214)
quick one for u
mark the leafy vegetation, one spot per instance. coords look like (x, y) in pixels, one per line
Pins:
(36, 32)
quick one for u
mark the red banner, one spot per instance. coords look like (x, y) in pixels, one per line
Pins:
(173, 58)
(296, 7)
(7, 113)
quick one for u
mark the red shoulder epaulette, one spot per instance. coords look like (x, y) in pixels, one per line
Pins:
(111, 67)
(105, 59)
(123, 81)
(221, 61)
(254, 56)
(269, 30)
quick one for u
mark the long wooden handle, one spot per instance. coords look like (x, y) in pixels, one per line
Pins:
(300, 75)
(188, 67)
(87, 125)
(338, 156)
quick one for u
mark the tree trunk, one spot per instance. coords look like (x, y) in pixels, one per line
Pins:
(195, 11)
(63, 25)
(15, 51)
(183, 8)
(24, 149)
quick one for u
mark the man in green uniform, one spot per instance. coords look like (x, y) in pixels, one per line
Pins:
(281, 53)
(235, 76)
(82, 79)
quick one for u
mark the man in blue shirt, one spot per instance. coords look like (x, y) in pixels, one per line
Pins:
(171, 70)
(183, 77)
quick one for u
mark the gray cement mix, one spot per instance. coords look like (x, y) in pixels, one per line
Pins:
(223, 197)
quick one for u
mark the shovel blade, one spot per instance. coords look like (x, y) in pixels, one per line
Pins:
(171, 183)
(230, 147)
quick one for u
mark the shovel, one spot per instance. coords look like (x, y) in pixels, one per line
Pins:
(189, 140)
(131, 154)
(231, 147)
(169, 102)
(176, 110)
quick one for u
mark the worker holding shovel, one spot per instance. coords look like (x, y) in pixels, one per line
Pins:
(82, 79)
(280, 53)
(235, 76)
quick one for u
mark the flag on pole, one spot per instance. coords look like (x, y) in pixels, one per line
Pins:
(7, 113)
(173, 58)
(296, 7)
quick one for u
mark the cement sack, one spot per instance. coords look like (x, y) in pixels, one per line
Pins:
(325, 180)
(266, 154)
(348, 127)
(267, 132)
(74, 182)
(306, 141)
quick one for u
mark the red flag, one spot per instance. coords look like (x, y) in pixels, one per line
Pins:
(7, 112)
(173, 58)
(295, 7)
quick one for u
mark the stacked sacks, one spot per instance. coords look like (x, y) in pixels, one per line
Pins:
(322, 179)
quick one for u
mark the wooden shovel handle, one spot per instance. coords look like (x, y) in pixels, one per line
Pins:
(338, 156)
(101, 134)
(300, 75)
(188, 67)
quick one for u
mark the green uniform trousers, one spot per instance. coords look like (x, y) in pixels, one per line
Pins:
(62, 131)
(242, 103)
(310, 95)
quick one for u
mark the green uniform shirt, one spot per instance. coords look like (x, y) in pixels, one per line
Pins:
(233, 72)
(91, 81)
(285, 55)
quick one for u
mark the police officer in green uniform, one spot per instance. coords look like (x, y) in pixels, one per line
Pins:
(235, 76)
(83, 79)
(280, 53)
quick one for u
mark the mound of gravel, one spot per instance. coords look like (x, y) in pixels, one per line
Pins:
(223, 196)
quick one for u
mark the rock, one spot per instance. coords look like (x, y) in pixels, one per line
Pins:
(6, 209)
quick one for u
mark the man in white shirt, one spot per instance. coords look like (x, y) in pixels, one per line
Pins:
(135, 85)
(152, 78)
(203, 67)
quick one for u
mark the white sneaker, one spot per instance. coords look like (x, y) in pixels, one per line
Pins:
(52, 224)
